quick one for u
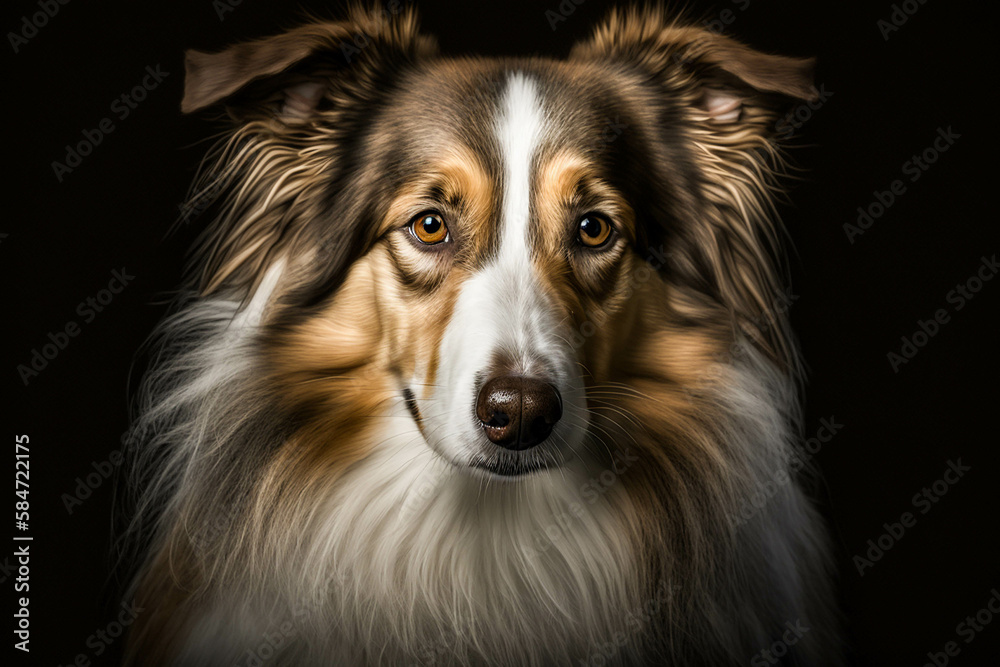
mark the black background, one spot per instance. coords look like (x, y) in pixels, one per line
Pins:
(853, 301)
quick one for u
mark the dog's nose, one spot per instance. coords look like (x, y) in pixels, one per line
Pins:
(518, 412)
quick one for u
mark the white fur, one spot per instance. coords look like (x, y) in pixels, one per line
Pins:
(408, 558)
(511, 548)
(207, 348)
(502, 308)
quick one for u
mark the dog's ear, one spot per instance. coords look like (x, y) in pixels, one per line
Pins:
(295, 100)
(713, 112)
(722, 78)
(288, 75)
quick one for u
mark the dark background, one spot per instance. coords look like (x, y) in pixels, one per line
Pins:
(852, 301)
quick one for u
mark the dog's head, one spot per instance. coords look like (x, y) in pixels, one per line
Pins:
(495, 244)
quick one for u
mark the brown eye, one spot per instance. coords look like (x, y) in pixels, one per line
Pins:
(429, 228)
(594, 231)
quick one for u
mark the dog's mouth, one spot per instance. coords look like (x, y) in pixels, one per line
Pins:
(508, 467)
(411, 404)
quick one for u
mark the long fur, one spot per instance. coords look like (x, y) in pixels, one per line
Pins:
(288, 504)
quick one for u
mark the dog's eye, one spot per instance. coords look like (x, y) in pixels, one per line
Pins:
(595, 231)
(429, 228)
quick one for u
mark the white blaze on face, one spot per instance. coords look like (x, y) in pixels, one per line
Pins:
(519, 130)
(502, 308)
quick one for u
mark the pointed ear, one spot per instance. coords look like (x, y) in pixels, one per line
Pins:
(289, 74)
(721, 76)
(713, 105)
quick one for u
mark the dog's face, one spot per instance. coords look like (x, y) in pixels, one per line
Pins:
(486, 242)
(506, 227)
(423, 275)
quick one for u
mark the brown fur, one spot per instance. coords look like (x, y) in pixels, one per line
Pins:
(361, 307)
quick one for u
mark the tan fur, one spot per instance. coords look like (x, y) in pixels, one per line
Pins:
(687, 363)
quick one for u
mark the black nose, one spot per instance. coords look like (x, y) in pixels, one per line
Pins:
(518, 412)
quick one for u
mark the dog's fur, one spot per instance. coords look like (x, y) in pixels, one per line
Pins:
(313, 486)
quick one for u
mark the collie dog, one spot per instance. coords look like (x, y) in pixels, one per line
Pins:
(478, 359)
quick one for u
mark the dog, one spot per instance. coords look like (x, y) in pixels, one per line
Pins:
(477, 360)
